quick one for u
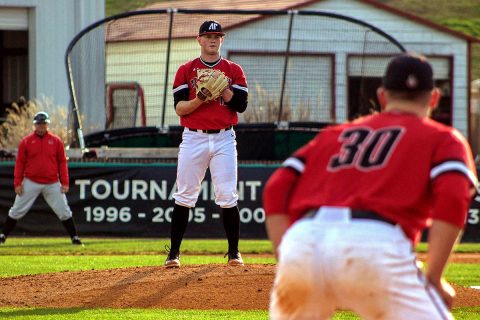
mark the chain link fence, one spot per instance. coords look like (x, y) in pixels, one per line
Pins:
(304, 67)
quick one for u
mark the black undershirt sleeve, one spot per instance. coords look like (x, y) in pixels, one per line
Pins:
(181, 95)
(239, 100)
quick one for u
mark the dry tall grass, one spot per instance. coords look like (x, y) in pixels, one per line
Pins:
(19, 117)
(265, 108)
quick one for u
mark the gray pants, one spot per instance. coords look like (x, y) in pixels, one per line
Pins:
(51, 193)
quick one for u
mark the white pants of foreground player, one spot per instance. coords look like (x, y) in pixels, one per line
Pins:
(51, 193)
(331, 262)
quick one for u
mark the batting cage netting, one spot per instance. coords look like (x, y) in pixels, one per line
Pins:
(303, 68)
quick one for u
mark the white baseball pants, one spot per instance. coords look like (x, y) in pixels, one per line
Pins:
(199, 151)
(51, 193)
(331, 262)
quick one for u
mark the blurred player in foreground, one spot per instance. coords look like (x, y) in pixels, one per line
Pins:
(345, 211)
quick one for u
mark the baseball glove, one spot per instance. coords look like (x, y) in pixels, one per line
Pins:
(211, 84)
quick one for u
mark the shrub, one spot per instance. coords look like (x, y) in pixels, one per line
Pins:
(19, 116)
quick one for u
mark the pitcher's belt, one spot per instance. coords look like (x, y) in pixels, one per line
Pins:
(210, 130)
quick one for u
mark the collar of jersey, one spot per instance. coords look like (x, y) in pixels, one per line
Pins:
(210, 64)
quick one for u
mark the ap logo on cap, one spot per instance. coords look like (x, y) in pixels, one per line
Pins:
(211, 26)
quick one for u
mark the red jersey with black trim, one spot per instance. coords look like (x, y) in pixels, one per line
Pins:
(213, 114)
(395, 164)
(41, 159)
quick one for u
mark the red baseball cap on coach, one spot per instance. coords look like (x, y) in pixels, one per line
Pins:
(210, 27)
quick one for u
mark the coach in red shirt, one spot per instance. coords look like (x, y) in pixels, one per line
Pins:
(41, 168)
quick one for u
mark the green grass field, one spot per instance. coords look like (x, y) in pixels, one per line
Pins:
(28, 256)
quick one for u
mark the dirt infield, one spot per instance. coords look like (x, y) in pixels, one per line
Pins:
(190, 287)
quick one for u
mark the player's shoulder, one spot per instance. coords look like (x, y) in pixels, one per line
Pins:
(331, 131)
(231, 64)
(439, 136)
(190, 64)
(29, 137)
(443, 131)
(357, 122)
(53, 136)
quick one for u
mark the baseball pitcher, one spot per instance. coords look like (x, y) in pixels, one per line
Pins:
(208, 92)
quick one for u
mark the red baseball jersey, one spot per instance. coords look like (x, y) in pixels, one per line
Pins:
(387, 163)
(213, 114)
(41, 159)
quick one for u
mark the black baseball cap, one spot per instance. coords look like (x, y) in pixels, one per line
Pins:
(41, 117)
(210, 27)
(408, 72)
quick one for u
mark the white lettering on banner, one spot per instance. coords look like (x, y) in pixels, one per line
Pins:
(160, 191)
(101, 183)
(253, 185)
(99, 214)
(137, 189)
(241, 190)
(473, 217)
(110, 214)
(203, 191)
(247, 215)
(134, 188)
(82, 183)
(116, 192)
(253, 188)
(162, 216)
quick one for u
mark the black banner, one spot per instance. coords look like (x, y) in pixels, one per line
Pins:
(136, 201)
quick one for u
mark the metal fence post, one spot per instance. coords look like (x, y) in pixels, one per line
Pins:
(167, 67)
(285, 65)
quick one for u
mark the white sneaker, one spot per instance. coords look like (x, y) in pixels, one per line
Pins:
(234, 259)
(173, 259)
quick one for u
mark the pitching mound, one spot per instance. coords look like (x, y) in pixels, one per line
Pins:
(190, 287)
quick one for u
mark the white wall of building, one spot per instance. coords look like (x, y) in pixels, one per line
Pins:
(51, 24)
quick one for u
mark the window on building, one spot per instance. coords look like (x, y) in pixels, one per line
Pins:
(13, 67)
(364, 77)
(307, 93)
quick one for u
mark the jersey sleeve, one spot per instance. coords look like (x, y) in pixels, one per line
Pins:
(453, 154)
(297, 161)
(281, 185)
(180, 85)
(452, 194)
(239, 87)
(277, 192)
(454, 179)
